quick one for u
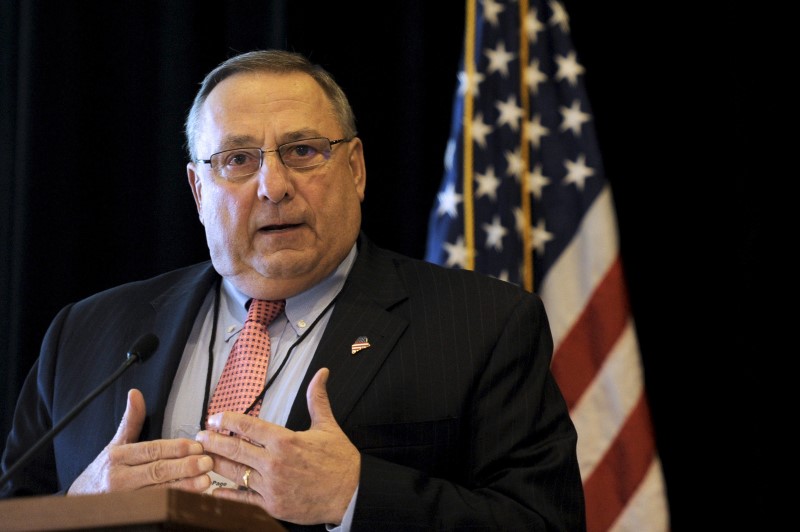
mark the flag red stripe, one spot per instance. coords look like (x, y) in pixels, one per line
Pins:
(621, 470)
(580, 355)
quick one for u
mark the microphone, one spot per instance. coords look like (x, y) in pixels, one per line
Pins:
(139, 352)
(142, 348)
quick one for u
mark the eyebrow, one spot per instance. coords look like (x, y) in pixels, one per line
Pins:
(300, 134)
(242, 141)
(237, 141)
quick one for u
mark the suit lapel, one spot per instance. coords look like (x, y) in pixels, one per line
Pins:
(173, 315)
(362, 310)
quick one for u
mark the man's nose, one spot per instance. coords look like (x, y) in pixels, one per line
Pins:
(273, 178)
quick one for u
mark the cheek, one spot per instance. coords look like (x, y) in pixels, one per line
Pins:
(226, 232)
(223, 212)
(337, 211)
(326, 202)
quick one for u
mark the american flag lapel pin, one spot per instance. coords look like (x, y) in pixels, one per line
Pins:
(362, 342)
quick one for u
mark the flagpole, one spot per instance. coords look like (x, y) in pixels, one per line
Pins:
(469, 67)
(525, 196)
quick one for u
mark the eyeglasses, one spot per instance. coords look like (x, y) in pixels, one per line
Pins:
(239, 163)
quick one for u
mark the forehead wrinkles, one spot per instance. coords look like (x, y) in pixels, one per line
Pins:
(282, 104)
(248, 92)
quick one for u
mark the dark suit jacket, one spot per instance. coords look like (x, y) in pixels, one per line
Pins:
(453, 407)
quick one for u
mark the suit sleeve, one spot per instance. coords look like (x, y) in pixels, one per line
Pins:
(32, 419)
(520, 470)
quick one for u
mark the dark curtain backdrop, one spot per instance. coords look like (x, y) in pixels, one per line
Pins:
(93, 190)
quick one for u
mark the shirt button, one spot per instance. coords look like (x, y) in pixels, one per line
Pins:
(301, 323)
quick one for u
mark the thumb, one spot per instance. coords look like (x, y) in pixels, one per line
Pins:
(319, 405)
(132, 421)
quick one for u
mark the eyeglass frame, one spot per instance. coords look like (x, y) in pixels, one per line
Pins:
(277, 149)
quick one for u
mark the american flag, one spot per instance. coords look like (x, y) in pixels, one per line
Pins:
(524, 199)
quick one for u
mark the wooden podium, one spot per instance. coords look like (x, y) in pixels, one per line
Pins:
(143, 510)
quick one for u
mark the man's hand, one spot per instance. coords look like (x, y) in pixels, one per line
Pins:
(125, 465)
(304, 477)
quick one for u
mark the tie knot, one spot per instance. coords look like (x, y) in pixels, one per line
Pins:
(263, 311)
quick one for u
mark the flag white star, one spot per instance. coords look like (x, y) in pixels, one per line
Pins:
(577, 172)
(470, 83)
(495, 233)
(520, 221)
(499, 59)
(487, 184)
(537, 181)
(491, 9)
(573, 118)
(510, 113)
(448, 201)
(480, 129)
(536, 131)
(541, 237)
(514, 163)
(533, 26)
(569, 68)
(560, 16)
(456, 253)
(534, 76)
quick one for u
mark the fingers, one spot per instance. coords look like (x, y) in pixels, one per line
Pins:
(244, 428)
(137, 465)
(132, 421)
(237, 448)
(153, 451)
(234, 455)
(233, 472)
(154, 462)
(319, 405)
(259, 432)
(126, 464)
(160, 461)
(299, 476)
(188, 473)
(196, 484)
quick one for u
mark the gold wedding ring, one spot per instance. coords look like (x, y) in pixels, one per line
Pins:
(246, 477)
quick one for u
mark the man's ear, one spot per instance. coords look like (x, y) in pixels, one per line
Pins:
(197, 187)
(358, 167)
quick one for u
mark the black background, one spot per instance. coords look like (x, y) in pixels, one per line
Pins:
(94, 191)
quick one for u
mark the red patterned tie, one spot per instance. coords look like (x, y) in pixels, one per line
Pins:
(246, 369)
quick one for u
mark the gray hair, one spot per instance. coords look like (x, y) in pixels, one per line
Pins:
(275, 61)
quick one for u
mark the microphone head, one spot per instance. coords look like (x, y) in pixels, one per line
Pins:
(143, 347)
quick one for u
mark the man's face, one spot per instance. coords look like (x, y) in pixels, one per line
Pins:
(281, 230)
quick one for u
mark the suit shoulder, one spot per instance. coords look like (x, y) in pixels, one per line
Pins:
(419, 274)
